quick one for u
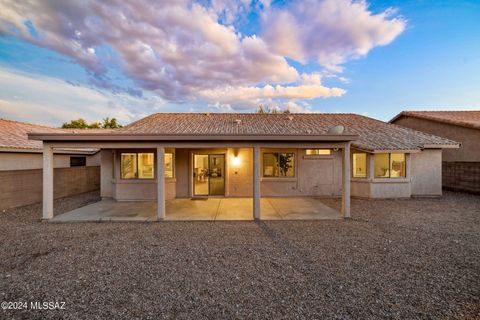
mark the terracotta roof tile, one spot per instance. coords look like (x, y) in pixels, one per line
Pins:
(469, 119)
(373, 134)
(13, 134)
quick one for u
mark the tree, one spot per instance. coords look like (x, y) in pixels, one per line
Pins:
(273, 110)
(284, 163)
(76, 124)
(110, 123)
(80, 123)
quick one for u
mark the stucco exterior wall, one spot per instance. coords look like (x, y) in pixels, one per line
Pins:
(240, 177)
(469, 150)
(29, 161)
(390, 189)
(106, 174)
(182, 163)
(360, 188)
(382, 188)
(315, 176)
(426, 173)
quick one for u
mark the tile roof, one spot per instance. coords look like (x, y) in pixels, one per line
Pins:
(469, 119)
(13, 135)
(373, 134)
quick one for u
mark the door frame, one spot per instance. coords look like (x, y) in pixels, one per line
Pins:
(208, 153)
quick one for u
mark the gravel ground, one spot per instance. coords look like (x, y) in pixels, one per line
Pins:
(398, 259)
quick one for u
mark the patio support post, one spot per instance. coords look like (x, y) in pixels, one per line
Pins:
(346, 181)
(47, 209)
(256, 182)
(160, 183)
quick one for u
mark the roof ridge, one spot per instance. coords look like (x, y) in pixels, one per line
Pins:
(251, 113)
(28, 123)
(439, 111)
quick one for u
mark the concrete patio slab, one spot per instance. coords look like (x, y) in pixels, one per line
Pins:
(235, 209)
(111, 210)
(207, 209)
(303, 209)
(192, 209)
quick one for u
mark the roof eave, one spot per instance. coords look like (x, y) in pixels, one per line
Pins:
(186, 137)
(442, 146)
(56, 151)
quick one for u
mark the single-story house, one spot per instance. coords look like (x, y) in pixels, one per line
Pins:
(461, 168)
(255, 155)
(21, 162)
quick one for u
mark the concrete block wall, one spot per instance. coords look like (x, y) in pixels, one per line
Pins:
(461, 176)
(23, 187)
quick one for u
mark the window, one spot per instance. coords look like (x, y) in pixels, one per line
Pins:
(137, 165)
(359, 165)
(278, 165)
(128, 165)
(168, 165)
(390, 165)
(78, 161)
(320, 152)
(145, 165)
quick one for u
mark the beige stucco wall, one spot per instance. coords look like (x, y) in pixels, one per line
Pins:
(390, 189)
(469, 150)
(29, 161)
(315, 176)
(240, 177)
(381, 188)
(426, 173)
(424, 178)
(360, 188)
(106, 174)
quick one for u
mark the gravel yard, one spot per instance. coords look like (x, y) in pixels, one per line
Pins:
(399, 259)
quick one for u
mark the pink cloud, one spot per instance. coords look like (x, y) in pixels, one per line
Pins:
(182, 51)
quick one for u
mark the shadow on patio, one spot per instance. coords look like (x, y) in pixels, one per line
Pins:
(203, 209)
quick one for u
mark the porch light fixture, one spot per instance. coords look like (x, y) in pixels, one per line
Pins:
(236, 161)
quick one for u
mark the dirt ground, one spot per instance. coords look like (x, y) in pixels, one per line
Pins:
(398, 259)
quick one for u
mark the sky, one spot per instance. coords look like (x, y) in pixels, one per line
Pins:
(62, 60)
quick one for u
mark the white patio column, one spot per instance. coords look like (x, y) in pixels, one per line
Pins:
(256, 182)
(161, 183)
(346, 181)
(47, 182)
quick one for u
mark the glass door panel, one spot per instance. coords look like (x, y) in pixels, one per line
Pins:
(200, 175)
(208, 174)
(217, 174)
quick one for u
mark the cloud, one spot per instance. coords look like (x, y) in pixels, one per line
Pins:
(310, 87)
(52, 101)
(185, 51)
(329, 31)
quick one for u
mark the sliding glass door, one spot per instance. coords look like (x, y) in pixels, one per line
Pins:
(208, 174)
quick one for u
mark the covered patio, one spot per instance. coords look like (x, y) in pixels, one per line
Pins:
(201, 209)
(242, 166)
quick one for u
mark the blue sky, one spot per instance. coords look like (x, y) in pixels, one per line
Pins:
(395, 55)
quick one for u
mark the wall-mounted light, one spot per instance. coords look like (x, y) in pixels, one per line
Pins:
(236, 161)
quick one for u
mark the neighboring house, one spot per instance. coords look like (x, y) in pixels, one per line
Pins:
(461, 168)
(245, 155)
(76, 170)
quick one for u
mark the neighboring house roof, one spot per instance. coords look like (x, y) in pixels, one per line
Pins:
(373, 135)
(469, 119)
(14, 137)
